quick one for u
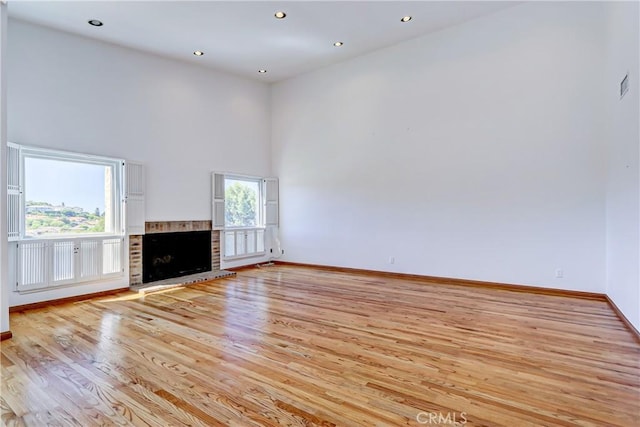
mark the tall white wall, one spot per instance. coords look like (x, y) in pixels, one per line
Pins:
(623, 142)
(182, 121)
(475, 152)
(4, 266)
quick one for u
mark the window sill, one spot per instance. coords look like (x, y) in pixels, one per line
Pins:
(70, 237)
(257, 227)
(241, 257)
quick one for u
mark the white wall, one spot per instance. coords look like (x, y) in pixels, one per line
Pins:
(4, 283)
(623, 179)
(475, 152)
(182, 121)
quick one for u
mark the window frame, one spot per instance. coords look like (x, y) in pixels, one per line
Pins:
(72, 157)
(267, 207)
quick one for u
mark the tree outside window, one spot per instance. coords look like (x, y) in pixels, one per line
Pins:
(242, 199)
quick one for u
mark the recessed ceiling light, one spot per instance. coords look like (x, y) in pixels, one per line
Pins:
(95, 23)
(338, 44)
(198, 53)
(262, 71)
(280, 15)
(406, 19)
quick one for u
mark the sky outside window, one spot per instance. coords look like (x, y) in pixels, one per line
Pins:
(55, 182)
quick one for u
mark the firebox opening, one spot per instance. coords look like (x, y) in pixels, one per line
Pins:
(168, 255)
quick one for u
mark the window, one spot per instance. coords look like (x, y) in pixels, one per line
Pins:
(67, 197)
(65, 212)
(66, 194)
(243, 198)
(243, 207)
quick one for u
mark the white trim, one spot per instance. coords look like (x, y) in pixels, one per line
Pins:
(61, 153)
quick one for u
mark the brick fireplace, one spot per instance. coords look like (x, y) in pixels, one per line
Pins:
(136, 246)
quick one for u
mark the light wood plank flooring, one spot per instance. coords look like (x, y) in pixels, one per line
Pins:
(289, 345)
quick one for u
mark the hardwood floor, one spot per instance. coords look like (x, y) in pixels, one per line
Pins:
(288, 345)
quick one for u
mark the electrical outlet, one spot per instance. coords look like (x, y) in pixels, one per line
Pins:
(559, 273)
(282, 251)
(392, 260)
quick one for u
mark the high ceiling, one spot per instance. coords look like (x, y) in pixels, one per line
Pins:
(242, 37)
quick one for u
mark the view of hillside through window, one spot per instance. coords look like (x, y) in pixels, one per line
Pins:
(66, 197)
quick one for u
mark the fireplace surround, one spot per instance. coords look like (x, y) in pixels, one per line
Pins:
(136, 244)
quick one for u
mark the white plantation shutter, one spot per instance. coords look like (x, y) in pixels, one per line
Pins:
(217, 201)
(271, 200)
(34, 264)
(135, 197)
(14, 193)
(90, 259)
(112, 254)
(62, 262)
(49, 263)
